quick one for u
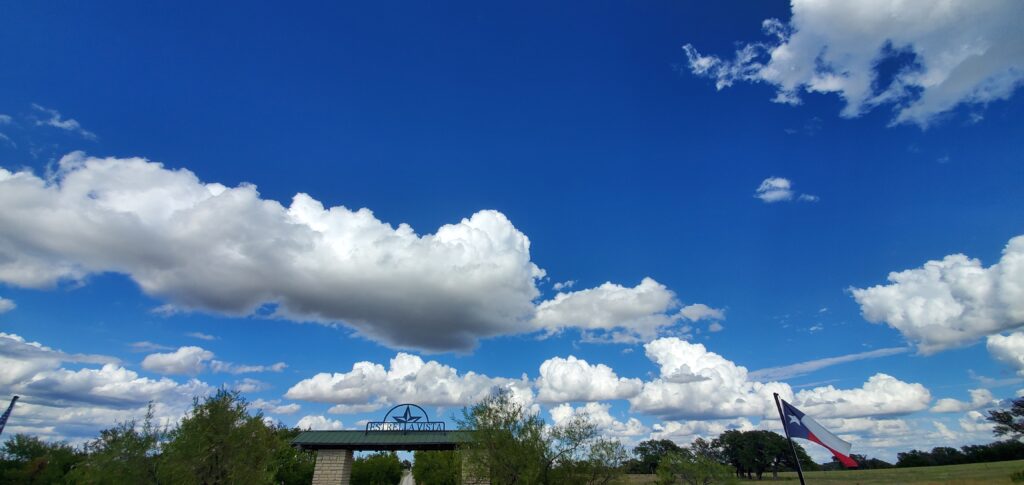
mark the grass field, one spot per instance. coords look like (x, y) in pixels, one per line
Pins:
(977, 473)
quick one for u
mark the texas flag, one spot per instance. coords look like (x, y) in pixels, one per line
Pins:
(799, 425)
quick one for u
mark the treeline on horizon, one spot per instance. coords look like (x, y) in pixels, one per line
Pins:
(221, 441)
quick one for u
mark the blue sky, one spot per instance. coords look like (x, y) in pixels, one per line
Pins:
(576, 181)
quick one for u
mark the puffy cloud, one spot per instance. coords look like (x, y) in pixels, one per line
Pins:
(55, 120)
(1008, 349)
(184, 361)
(73, 404)
(598, 414)
(778, 189)
(700, 311)
(209, 247)
(275, 407)
(640, 310)
(563, 285)
(695, 383)
(957, 53)
(975, 422)
(573, 379)
(802, 368)
(980, 398)
(6, 305)
(193, 360)
(319, 423)
(881, 395)
(408, 379)
(952, 302)
(206, 246)
(109, 386)
(20, 359)
(774, 189)
(685, 432)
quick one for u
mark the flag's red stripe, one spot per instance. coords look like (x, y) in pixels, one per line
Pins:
(845, 460)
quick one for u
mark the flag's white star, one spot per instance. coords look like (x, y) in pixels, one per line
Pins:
(793, 419)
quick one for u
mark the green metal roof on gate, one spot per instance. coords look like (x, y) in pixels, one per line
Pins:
(382, 440)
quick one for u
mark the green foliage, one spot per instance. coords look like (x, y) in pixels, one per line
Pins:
(509, 441)
(752, 453)
(1009, 422)
(997, 451)
(1017, 477)
(516, 446)
(691, 469)
(294, 466)
(436, 467)
(124, 454)
(30, 460)
(219, 442)
(377, 469)
(649, 453)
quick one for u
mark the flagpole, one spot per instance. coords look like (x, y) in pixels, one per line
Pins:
(7, 414)
(782, 417)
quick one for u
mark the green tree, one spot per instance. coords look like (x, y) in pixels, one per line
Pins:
(436, 467)
(377, 469)
(649, 453)
(1009, 421)
(515, 446)
(604, 463)
(752, 453)
(508, 441)
(30, 460)
(219, 442)
(691, 469)
(124, 454)
(293, 466)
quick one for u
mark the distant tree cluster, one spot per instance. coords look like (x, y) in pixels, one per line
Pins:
(218, 442)
(943, 455)
(377, 469)
(740, 454)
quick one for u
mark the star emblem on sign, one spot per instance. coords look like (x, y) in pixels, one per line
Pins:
(407, 417)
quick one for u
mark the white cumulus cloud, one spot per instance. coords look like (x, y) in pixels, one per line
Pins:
(6, 305)
(184, 361)
(779, 189)
(951, 302)
(637, 312)
(980, 398)
(695, 383)
(1008, 349)
(881, 395)
(961, 52)
(572, 379)
(319, 423)
(599, 415)
(407, 379)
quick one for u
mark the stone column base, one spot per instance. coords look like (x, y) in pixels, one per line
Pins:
(333, 467)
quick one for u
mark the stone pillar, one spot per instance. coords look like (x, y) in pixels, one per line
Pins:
(472, 475)
(333, 467)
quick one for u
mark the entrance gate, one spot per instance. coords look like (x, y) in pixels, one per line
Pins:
(408, 430)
